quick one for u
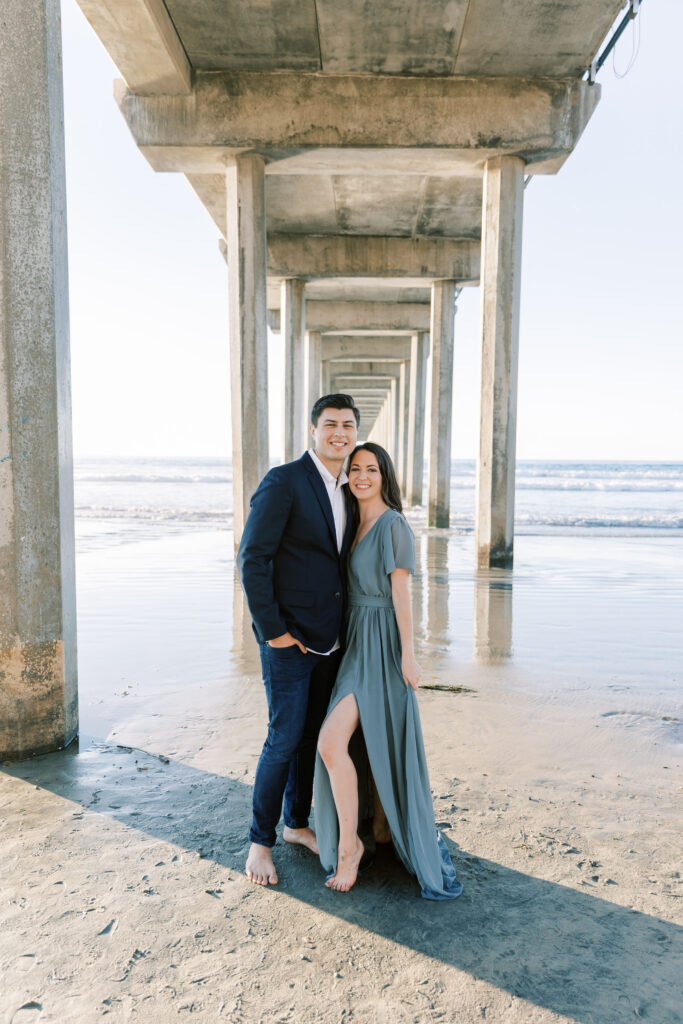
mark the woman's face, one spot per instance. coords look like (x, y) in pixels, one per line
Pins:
(365, 479)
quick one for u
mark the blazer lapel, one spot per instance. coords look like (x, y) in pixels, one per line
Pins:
(322, 496)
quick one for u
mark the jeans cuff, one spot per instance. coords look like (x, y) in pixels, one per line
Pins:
(295, 822)
(258, 837)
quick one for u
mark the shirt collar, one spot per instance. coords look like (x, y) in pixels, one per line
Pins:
(325, 473)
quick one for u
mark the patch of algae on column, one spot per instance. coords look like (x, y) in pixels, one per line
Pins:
(32, 711)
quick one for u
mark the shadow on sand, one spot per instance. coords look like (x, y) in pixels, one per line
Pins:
(522, 934)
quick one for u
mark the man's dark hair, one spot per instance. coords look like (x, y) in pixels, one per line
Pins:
(333, 402)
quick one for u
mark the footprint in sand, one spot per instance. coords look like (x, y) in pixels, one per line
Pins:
(27, 1013)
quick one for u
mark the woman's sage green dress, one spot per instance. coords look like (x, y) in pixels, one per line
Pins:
(389, 742)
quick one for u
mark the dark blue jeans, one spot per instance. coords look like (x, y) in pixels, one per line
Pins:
(298, 688)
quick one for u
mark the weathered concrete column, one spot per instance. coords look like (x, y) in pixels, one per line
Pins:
(501, 280)
(293, 330)
(393, 421)
(38, 681)
(403, 421)
(313, 375)
(248, 329)
(417, 397)
(439, 485)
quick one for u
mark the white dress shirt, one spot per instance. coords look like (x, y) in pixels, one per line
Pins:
(333, 486)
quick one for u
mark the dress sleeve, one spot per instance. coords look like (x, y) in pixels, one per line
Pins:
(398, 546)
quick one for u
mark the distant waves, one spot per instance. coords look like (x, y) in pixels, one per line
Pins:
(550, 496)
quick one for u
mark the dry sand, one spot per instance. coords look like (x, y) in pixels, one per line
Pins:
(556, 780)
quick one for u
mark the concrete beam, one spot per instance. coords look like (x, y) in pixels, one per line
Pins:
(361, 317)
(38, 671)
(350, 368)
(315, 257)
(366, 349)
(495, 504)
(142, 41)
(280, 115)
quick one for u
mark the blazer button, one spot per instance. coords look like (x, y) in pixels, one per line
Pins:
(337, 594)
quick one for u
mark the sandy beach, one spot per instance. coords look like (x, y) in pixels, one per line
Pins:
(553, 731)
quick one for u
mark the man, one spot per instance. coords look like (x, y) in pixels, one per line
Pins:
(291, 563)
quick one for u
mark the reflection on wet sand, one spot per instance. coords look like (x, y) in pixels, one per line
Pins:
(493, 615)
(436, 588)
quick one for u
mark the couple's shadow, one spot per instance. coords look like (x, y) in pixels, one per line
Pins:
(571, 952)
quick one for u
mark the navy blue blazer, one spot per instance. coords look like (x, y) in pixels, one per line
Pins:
(293, 575)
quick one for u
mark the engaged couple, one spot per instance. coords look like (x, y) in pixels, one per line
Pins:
(325, 561)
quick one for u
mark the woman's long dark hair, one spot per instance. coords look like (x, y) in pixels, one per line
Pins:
(391, 492)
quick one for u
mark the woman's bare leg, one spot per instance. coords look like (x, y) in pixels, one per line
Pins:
(333, 745)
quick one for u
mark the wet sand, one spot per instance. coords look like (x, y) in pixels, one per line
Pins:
(556, 776)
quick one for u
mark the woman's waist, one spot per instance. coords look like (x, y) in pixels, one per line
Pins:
(356, 600)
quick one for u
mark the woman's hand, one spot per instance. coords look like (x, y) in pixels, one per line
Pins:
(412, 673)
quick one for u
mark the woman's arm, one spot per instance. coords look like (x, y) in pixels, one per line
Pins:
(400, 595)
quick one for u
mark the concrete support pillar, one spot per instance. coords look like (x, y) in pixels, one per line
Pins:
(293, 329)
(378, 433)
(313, 376)
(501, 280)
(443, 314)
(417, 398)
(248, 329)
(403, 421)
(38, 681)
(393, 421)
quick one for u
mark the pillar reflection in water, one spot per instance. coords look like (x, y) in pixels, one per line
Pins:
(436, 583)
(242, 635)
(493, 615)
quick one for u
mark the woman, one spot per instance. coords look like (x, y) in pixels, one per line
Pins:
(375, 688)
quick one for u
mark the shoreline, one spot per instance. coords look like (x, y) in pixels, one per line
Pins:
(556, 783)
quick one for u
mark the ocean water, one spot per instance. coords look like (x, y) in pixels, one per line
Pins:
(119, 499)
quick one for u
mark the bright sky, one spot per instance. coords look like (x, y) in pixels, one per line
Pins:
(601, 348)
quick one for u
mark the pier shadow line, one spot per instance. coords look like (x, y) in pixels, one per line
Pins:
(570, 952)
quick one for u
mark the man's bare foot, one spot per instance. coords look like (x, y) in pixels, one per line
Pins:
(347, 869)
(259, 867)
(301, 837)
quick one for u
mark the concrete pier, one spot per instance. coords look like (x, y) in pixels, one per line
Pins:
(246, 229)
(501, 283)
(417, 397)
(313, 377)
(443, 314)
(403, 423)
(38, 672)
(293, 330)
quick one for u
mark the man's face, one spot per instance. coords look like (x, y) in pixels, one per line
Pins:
(335, 434)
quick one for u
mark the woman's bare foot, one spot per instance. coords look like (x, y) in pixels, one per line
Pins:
(347, 869)
(301, 837)
(259, 867)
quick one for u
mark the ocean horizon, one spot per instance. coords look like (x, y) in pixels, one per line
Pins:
(622, 498)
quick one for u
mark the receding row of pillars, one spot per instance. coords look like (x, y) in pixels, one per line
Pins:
(398, 420)
(38, 696)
